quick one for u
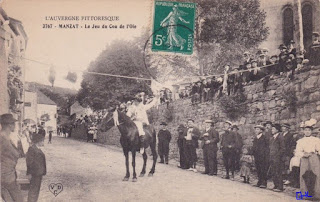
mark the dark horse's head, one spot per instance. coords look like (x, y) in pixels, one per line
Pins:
(113, 117)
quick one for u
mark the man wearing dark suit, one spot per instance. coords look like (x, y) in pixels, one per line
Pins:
(277, 148)
(36, 167)
(181, 145)
(228, 147)
(191, 135)
(9, 158)
(239, 145)
(260, 151)
(210, 138)
(290, 145)
(164, 138)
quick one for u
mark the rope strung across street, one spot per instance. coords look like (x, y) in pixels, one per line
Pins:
(148, 79)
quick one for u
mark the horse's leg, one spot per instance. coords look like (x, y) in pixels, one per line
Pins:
(155, 156)
(143, 171)
(134, 178)
(126, 154)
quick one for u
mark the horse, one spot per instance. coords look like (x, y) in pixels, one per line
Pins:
(129, 141)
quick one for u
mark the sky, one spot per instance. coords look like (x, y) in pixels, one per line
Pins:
(73, 49)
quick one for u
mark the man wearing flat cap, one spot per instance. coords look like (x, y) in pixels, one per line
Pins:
(277, 149)
(290, 145)
(260, 151)
(36, 166)
(210, 138)
(164, 138)
(228, 147)
(9, 157)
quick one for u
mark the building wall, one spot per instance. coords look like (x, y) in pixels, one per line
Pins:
(52, 111)
(30, 106)
(4, 97)
(274, 20)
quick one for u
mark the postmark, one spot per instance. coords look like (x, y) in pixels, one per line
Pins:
(55, 188)
(173, 27)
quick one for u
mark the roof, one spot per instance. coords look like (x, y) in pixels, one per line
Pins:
(43, 99)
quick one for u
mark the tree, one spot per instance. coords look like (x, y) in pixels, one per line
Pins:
(120, 58)
(224, 29)
(52, 75)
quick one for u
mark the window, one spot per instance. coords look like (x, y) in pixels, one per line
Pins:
(307, 22)
(288, 26)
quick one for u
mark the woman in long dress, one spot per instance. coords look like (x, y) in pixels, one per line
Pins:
(173, 38)
(308, 149)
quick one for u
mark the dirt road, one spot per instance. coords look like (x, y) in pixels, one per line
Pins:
(90, 172)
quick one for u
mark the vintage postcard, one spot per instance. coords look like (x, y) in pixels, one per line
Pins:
(175, 100)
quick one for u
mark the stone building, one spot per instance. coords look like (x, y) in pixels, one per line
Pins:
(38, 107)
(13, 43)
(283, 17)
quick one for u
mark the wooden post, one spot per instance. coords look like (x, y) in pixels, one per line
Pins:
(298, 26)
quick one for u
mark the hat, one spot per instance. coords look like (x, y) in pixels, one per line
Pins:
(246, 53)
(274, 56)
(259, 126)
(235, 126)
(138, 99)
(277, 126)
(7, 119)
(282, 46)
(163, 123)
(315, 34)
(190, 119)
(181, 126)
(259, 52)
(285, 125)
(291, 42)
(36, 137)
(254, 61)
(229, 122)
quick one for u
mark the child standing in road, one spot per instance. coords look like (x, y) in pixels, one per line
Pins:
(246, 161)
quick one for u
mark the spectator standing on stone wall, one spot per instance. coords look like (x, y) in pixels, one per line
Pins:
(228, 147)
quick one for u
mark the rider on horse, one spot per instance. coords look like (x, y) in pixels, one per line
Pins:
(138, 113)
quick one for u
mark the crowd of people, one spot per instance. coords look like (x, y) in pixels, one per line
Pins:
(12, 147)
(276, 153)
(255, 67)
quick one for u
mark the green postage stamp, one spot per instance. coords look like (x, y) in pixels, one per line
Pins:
(173, 27)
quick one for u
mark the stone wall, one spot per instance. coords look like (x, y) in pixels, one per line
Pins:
(273, 105)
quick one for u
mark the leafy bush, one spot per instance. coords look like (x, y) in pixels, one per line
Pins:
(234, 106)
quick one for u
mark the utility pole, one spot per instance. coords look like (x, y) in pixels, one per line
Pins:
(298, 26)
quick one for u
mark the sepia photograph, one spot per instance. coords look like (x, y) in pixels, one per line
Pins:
(159, 100)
